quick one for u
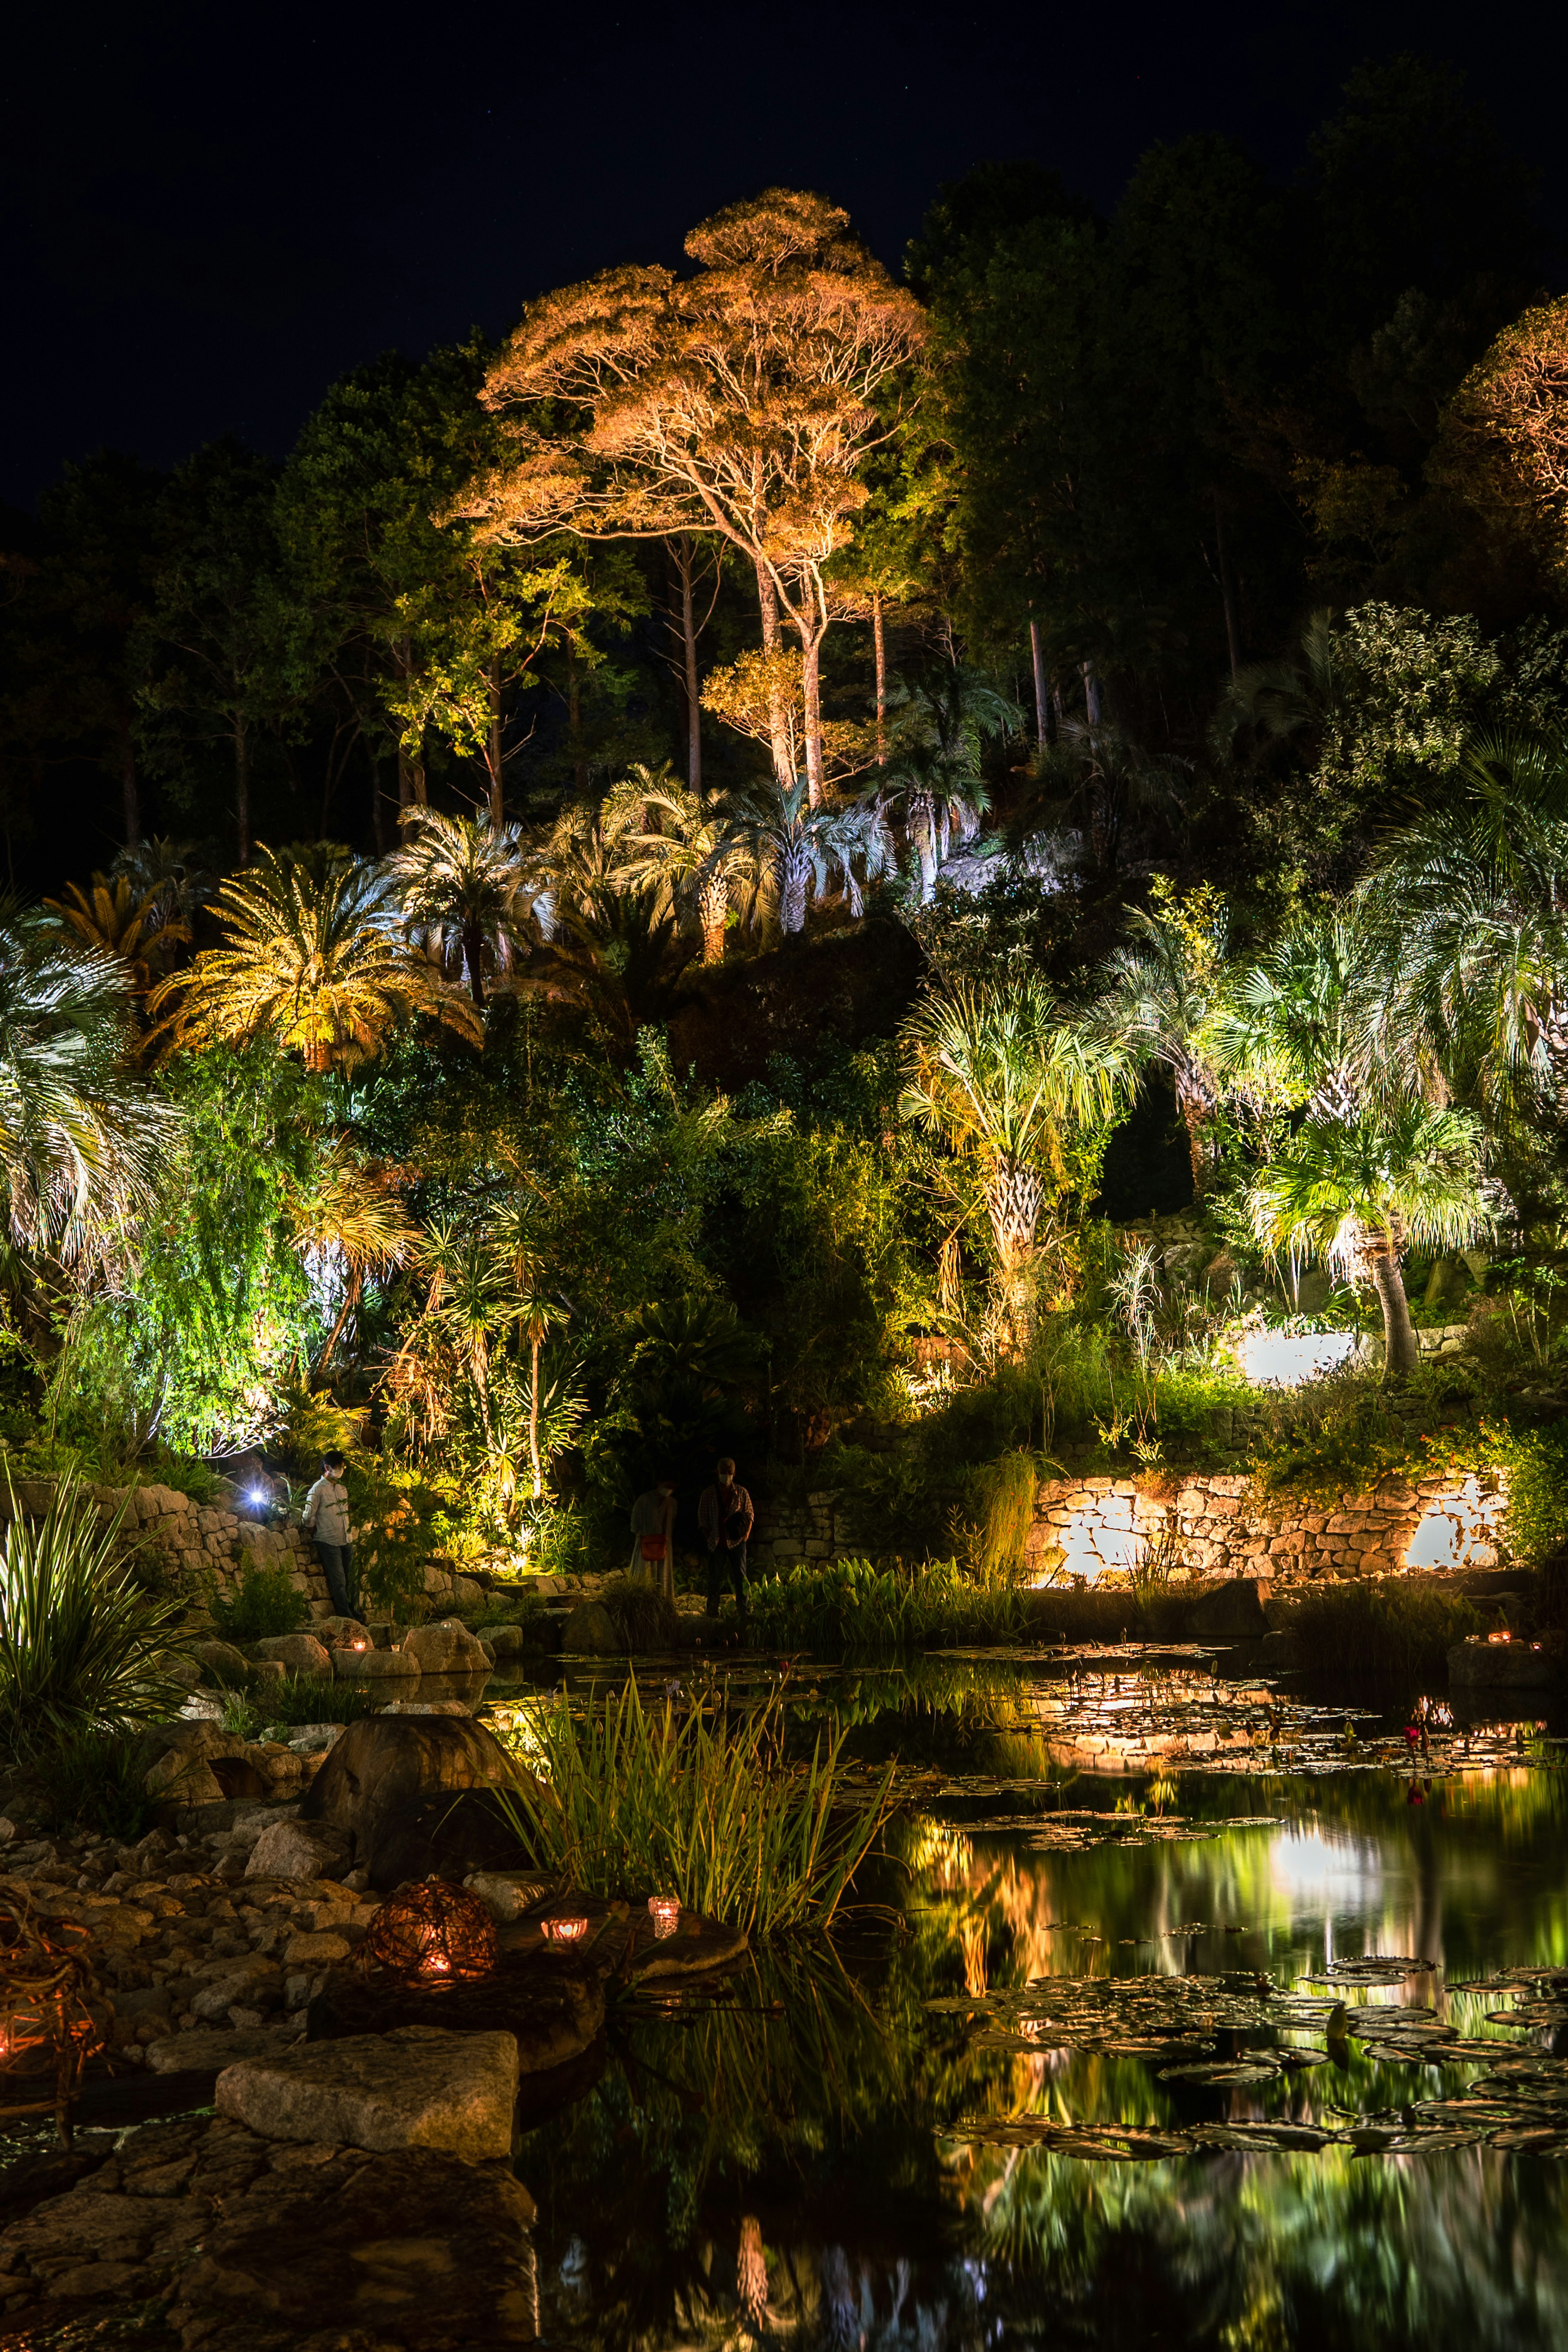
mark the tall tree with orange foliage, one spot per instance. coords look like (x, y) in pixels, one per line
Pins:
(1504, 441)
(738, 404)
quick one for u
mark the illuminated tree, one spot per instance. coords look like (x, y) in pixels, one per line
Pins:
(738, 404)
(1163, 991)
(1505, 438)
(309, 963)
(346, 1221)
(122, 922)
(685, 845)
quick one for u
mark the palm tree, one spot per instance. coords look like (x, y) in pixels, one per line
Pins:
(459, 882)
(795, 846)
(1468, 908)
(310, 964)
(1300, 1027)
(1277, 704)
(80, 1141)
(1161, 994)
(1000, 1071)
(348, 1222)
(942, 719)
(681, 843)
(1355, 1193)
(121, 922)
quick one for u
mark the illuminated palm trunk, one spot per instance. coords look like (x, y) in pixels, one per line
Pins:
(1379, 1254)
(713, 913)
(1014, 1198)
(794, 875)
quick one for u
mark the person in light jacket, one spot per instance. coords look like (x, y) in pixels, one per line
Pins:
(326, 1518)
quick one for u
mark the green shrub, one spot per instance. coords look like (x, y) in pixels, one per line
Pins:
(266, 1602)
(699, 1805)
(852, 1605)
(83, 1646)
(92, 1779)
(317, 1698)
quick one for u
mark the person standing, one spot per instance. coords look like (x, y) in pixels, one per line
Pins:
(653, 1539)
(727, 1518)
(326, 1518)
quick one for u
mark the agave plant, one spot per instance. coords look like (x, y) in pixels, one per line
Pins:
(83, 1646)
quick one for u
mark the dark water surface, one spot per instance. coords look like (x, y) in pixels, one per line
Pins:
(959, 2125)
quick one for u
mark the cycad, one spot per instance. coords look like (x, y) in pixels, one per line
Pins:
(1355, 1193)
(458, 882)
(1002, 1072)
(115, 918)
(311, 963)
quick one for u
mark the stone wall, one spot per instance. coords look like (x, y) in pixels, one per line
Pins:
(1097, 1528)
(192, 1544)
(787, 1535)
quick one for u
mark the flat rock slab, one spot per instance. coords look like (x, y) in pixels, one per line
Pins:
(416, 2087)
(696, 1945)
(205, 2054)
(551, 2011)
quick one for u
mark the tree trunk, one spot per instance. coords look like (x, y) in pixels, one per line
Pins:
(1093, 704)
(1014, 1198)
(1042, 688)
(795, 873)
(242, 791)
(130, 801)
(922, 824)
(1400, 1353)
(713, 910)
(1227, 597)
(473, 950)
(533, 1424)
(684, 550)
(778, 721)
(575, 720)
(880, 647)
(492, 749)
(377, 816)
(811, 650)
(351, 1300)
(1195, 1109)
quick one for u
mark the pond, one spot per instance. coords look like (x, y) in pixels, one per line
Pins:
(1181, 2014)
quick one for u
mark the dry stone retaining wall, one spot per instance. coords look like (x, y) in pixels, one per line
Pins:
(197, 1542)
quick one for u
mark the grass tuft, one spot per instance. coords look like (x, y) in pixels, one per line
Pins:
(636, 1801)
(852, 1606)
(1377, 1630)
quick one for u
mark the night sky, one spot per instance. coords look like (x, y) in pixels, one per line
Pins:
(211, 212)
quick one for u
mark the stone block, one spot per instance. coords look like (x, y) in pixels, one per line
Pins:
(418, 2086)
(301, 1653)
(296, 1849)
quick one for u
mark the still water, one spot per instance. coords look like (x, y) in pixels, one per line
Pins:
(1178, 2016)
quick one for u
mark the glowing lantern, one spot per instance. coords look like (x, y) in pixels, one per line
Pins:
(664, 1910)
(431, 1934)
(566, 1928)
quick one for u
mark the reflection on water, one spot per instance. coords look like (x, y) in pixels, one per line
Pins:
(870, 2148)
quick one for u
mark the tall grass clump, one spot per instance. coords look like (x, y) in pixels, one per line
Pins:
(1009, 1489)
(636, 1801)
(1376, 1630)
(852, 1606)
(82, 1645)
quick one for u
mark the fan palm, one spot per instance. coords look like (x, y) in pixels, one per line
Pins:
(1467, 906)
(1161, 994)
(681, 844)
(458, 882)
(1001, 1072)
(942, 719)
(309, 963)
(1301, 1026)
(1355, 1193)
(114, 917)
(347, 1223)
(80, 1141)
(796, 848)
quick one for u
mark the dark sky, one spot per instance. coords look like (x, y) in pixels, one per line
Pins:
(212, 211)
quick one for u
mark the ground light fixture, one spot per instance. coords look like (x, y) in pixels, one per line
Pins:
(664, 1910)
(432, 1934)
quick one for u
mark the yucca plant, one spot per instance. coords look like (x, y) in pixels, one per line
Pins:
(700, 1804)
(82, 1644)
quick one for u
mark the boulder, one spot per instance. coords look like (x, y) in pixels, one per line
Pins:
(1233, 1611)
(505, 1640)
(590, 1632)
(299, 1849)
(299, 1653)
(203, 2052)
(221, 1662)
(406, 1794)
(507, 1893)
(418, 2086)
(183, 1778)
(374, 1666)
(1479, 1663)
(445, 1648)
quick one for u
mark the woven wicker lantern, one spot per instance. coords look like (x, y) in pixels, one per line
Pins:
(49, 2029)
(431, 1934)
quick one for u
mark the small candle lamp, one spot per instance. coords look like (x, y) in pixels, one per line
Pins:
(664, 1910)
(431, 1934)
(567, 1927)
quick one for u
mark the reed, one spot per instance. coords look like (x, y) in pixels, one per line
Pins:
(1375, 1630)
(853, 1607)
(702, 1803)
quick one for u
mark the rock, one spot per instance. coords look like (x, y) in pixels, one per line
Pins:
(1281, 1653)
(1232, 1612)
(419, 2086)
(341, 1628)
(1501, 1665)
(445, 1648)
(505, 1640)
(590, 1632)
(507, 1893)
(223, 1661)
(299, 1653)
(203, 2053)
(401, 1791)
(300, 1849)
(369, 1665)
(180, 1778)
(413, 2250)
